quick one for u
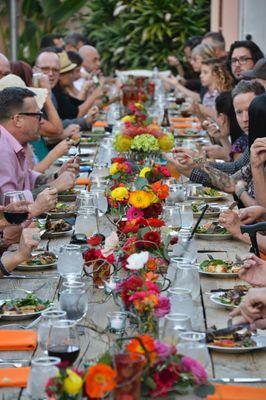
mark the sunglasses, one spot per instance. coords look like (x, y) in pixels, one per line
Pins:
(32, 114)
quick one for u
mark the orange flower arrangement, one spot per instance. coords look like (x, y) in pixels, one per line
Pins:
(135, 347)
(100, 380)
(161, 190)
(139, 199)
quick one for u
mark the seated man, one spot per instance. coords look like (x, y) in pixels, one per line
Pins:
(20, 119)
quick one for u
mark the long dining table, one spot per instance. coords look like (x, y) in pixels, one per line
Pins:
(93, 338)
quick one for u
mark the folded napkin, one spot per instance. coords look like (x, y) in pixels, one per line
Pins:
(14, 377)
(17, 339)
(234, 392)
(83, 181)
(182, 125)
(184, 119)
(100, 124)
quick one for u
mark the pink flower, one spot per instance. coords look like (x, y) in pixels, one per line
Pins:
(190, 365)
(129, 168)
(162, 349)
(133, 213)
(163, 307)
(165, 171)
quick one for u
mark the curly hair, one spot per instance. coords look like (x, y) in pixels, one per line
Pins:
(223, 78)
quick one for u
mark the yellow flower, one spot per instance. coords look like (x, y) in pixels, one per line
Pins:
(140, 199)
(128, 118)
(122, 143)
(139, 106)
(166, 142)
(119, 193)
(73, 383)
(143, 171)
(113, 168)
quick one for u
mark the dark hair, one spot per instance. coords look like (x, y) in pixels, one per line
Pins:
(74, 38)
(12, 101)
(75, 58)
(255, 51)
(217, 37)
(224, 105)
(248, 86)
(193, 41)
(50, 49)
(48, 40)
(23, 70)
(257, 119)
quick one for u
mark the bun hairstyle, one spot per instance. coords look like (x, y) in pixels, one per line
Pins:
(223, 79)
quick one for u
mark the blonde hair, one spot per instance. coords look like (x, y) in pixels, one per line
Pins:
(204, 50)
(223, 78)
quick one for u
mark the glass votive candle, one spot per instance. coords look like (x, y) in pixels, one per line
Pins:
(110, 284)
(174, 324)
(117, 321)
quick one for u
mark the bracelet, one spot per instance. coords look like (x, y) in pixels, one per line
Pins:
(242, 190)
(3, 269)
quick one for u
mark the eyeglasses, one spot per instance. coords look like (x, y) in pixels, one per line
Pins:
(32, 114)
(46, 70)
(241, 60)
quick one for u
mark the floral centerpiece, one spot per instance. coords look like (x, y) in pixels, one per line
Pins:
(140, 136)
(143, 368)
(137, 89)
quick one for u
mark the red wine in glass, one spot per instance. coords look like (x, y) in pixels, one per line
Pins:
(67, 354)
(16, 209)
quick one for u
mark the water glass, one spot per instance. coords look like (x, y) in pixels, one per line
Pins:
(86, 221)
(70, 261)
(172, 217)
(186, 215)
(192, 344)
(100, 200)
(187, 276)
(85, 200)
(47, 320)
(74, 300)
(181, 300)
(174, 324)
(194, 190)
(171, 271)
(185, 247)
(42, 369)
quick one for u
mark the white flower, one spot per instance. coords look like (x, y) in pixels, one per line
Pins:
(111, 244)
(137, 261)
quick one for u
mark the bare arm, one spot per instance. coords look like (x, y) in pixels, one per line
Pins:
(52, 127)
(87, 104)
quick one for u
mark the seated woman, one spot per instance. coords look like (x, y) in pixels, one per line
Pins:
(67, 96)
(231, 140)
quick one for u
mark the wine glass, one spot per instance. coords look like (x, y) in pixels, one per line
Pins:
(73, 300)
(174, 324)
(42, 369)
(16, 209)
(63, 341)
(192, 344)
(47, 320)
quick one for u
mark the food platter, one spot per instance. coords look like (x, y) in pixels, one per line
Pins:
(27, 266)
(216, 298)
(260, 341)
(68, 196)
(213, 236)
(213, 211)
(230, 298)
(217, 268)
(19, 309)
(212, 231)
(208, 195)
(63, 210)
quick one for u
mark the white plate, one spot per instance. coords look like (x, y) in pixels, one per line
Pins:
(208, 199)
(57, 234)
(219, 274)
(259, 339)
(213, 236)
(207, 215)
(26, 267)
(21, 317)
(215, 299)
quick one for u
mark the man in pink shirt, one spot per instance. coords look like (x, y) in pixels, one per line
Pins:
(20, 120)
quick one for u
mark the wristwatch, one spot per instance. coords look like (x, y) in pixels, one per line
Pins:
(240, 191)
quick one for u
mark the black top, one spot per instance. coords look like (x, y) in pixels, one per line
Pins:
(68, 106)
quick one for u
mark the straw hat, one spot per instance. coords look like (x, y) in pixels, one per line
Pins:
(65, 64)
(12, 80)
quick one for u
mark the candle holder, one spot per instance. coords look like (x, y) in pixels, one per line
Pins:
(117, 321)
(110, 284)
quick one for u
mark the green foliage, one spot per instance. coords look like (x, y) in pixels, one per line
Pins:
(38, 18)
(142, 33)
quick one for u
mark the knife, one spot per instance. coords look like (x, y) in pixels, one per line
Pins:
(237, 380)
(30, 276)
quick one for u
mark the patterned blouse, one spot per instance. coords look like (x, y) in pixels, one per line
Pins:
(239, 145)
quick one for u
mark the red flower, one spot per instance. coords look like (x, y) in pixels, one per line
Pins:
(118, 160)
(153, 237)
(130, 286)
(174, 240)
(155, 222)
(165, 380)
(95, 240)
(153, 211)
(165, 171)
(90, 255)
(130, 245)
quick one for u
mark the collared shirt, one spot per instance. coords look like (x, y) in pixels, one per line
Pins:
(209, 98)
(15, 173)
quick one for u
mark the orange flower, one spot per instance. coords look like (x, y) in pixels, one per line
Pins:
(100, 380)
(161, 190)
(134, 346)
(151, 264)
(150, 276)
(139, 199)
